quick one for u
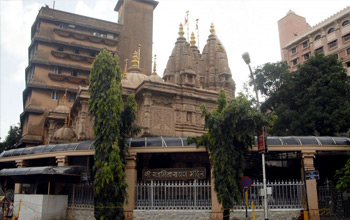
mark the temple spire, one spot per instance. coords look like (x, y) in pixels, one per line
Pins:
(181, 30)
(125, 68)
(155, 65)
(193, 40)
(212, 29)
(135, 60)
(139, 55)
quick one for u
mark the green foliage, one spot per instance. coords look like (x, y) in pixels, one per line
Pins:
(12, 139)
(313, 100)
(112, 126)
(231, 129)
(343, 176)
(270, 77)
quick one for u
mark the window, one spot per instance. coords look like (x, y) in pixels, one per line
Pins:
(110, 36)
(346, 37)
(295, 61)
(294, 50)
(33, 51)
(72, 96)
(95, 34)
(305, 44)
(74, 73)
(317, 37)
(346, 22)
(30, 74)
(348, 51)
(76, 51)
(56, 70)
(332, 44)
(61, 26)
(71, 26)
(93, 53)
(60, 48)
(38, 26)
(306, 56)
(54, 95)
(330, 30)
(319, 50)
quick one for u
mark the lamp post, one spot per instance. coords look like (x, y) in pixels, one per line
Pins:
(246, 59)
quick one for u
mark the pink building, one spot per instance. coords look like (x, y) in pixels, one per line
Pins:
(298, 40)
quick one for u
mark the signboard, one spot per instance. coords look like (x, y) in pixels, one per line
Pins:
(261, 141)
(174, 174)
(312, 175)
(246, 182)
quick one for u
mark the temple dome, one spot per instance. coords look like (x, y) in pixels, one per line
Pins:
(181, 61)
(133, 76)
(62, 108)
(134, 79)
(214, 66)
(64, 134)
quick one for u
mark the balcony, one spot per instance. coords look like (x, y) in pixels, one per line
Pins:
(71, 56)
(72, 79)
(85, 37)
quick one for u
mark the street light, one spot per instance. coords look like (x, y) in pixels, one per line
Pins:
(246, 59)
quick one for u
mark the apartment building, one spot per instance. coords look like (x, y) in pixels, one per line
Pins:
(299, 41)
(61, 53)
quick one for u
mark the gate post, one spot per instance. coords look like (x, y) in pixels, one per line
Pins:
(311, 184)
(216, 208)
(131, 180)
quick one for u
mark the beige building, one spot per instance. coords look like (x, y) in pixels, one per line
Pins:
(299, 41)
(61, 53)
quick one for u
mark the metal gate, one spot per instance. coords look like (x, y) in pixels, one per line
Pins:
(333, 204)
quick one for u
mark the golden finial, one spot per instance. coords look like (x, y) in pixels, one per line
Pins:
(155, 64)
(125, 68)
(135, 60)
(193, 40)
(139, 55)
(181, 30)
(212, 29)
(64, 98)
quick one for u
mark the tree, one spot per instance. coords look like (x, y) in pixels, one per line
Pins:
(12, 139)
(112, 126)
(343, 176)
(313, 100)
(231, 128)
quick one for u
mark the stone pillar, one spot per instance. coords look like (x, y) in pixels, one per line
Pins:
(131, 180)
(20, 164)
(311, 185)
(216, 208)
(83, 115)
(62, 161)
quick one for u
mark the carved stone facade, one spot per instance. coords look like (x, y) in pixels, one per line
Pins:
(169, 107)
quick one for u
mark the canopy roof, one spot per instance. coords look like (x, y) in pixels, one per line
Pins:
(172, 142)
(43, 174)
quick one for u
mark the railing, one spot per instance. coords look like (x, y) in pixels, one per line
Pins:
(81, 195)
(173, 195)
(285, 195)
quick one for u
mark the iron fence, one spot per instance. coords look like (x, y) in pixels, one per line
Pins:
(81, 195)
(173, 195)
(286, 194)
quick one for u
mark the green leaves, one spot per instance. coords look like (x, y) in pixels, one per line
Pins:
(113, 124)
(343, 176)
(313, 100)
(231, 128)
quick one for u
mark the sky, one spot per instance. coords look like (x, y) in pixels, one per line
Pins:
(241, 25)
